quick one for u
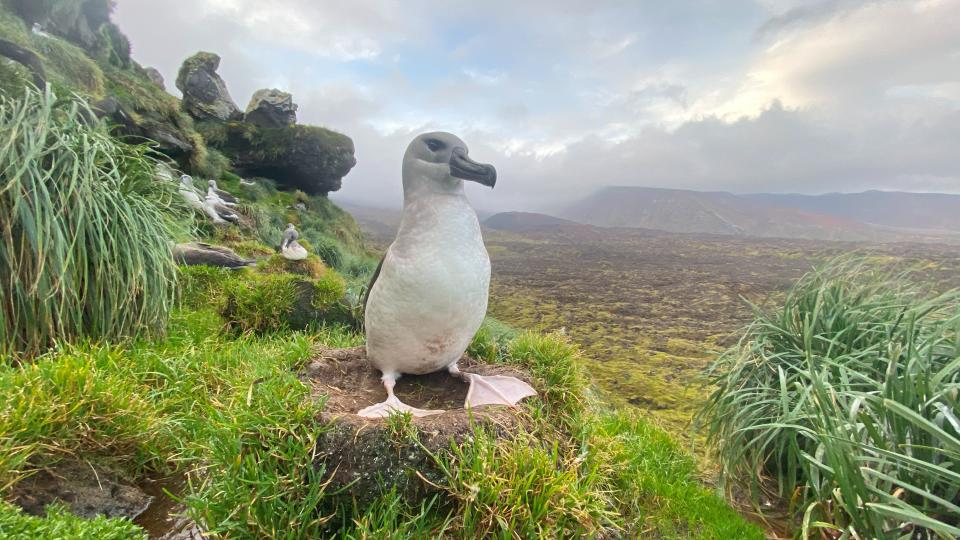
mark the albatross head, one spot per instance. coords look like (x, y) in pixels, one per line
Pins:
(438, 162)
(212, 183)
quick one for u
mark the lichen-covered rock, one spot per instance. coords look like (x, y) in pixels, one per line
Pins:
(205, 95)
(368, 457)
(271, 108)
(309, 158)
(154, 75)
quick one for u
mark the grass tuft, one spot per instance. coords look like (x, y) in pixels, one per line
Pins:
(845, 399)
(84, 246)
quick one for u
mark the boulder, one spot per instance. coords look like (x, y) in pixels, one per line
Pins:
(154, 75)
(271, 108)
(309, 158)
(205, 95)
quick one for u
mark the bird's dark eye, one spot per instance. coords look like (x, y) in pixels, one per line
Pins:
(434, 144)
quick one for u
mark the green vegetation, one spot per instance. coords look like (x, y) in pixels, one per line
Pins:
(84, 244)
(62, 525)
(232, 412)
(845, 399)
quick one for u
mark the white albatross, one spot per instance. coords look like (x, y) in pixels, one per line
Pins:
(429, 295)
(289, 247)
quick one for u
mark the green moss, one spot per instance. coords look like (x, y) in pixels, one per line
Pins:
(68, 65)
(311, 267)
(266, 302)
(59, 524)
(12, 28)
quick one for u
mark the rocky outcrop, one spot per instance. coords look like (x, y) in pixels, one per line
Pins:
(169, 138)
(205, 95)
(308, 158)
(154, 75)
(271, 108)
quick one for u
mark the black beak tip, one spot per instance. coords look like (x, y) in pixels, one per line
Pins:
(492, 176)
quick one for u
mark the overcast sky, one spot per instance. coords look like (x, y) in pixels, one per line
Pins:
(565, 97)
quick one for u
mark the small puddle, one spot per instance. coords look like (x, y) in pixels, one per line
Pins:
(163, 517)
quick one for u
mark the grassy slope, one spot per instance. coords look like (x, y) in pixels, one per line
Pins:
(232, 410)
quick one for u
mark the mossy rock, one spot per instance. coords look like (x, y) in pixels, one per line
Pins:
(265, 302)
(311, 267)
(309, 158)
(366, 458)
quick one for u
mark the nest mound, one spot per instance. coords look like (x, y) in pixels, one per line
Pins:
(367, 457)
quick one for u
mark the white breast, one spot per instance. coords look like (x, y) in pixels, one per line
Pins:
(431, 295)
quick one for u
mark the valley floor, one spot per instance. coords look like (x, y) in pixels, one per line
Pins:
(651, 309)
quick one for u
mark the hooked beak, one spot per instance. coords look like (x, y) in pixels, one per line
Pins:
(463, 167)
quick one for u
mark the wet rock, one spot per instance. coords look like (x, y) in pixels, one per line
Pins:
(271, 108)
(88, 490)
(205, 95)
(365, 457)
(154, 75)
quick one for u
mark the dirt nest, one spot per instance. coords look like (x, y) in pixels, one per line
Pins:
(366, 457)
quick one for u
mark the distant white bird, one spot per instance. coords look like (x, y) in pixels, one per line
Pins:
(222, 209)
(289, 247)
(189, 194)
(247, 182)
(429, 295)
(38, 30)
(225, 197)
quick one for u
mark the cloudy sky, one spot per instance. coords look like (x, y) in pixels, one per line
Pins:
(564, 97)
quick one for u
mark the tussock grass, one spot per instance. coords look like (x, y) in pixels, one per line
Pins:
(84, 243)
(845, 399)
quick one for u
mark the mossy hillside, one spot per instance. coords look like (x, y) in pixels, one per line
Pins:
(325, 229)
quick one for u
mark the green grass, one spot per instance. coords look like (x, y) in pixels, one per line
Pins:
(84, 244)
(231, 411)
(844, 400)
(59, 524)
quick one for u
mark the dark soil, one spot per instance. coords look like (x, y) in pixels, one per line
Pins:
(366, 457)
(88, 490)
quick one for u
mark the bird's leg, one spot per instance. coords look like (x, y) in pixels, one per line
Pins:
(492, 389)
(393, 404)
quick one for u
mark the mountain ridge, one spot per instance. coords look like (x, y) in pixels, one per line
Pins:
(867, 216)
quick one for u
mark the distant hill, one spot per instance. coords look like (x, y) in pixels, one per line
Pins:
(915, 211)
(528, 221)
(869, 216)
